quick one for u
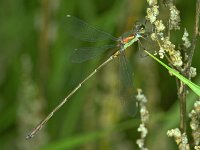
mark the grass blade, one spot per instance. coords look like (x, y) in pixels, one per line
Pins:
(195, 88)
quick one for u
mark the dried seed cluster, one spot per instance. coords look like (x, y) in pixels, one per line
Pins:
(144, 114)
(166, 46)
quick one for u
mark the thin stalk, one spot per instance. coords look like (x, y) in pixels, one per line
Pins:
(182, 99)
(195, 34)
(182, 89)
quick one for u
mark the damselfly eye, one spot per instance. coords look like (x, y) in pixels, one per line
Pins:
(140, 28)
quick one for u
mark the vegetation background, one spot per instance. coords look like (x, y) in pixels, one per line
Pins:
(36, 74)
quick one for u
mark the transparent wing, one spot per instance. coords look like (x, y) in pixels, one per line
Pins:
(87, 53)
(128, 98)
(147, 44)
(83, 31)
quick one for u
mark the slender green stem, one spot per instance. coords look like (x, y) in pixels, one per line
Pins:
(182, 100)
(183, 88)
(195, 34)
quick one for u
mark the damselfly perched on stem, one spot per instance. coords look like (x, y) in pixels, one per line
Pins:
(85, 32)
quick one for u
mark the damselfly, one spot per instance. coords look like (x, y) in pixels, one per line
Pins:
(86, 32)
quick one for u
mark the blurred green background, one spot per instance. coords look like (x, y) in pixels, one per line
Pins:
(36, 74)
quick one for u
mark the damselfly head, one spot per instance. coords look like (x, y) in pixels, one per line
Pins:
(140, 28)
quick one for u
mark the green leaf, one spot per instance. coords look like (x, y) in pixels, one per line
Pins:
(195, 88)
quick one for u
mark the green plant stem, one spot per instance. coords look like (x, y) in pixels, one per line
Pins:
(182, 100)
(195, 34)
(182, 87)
